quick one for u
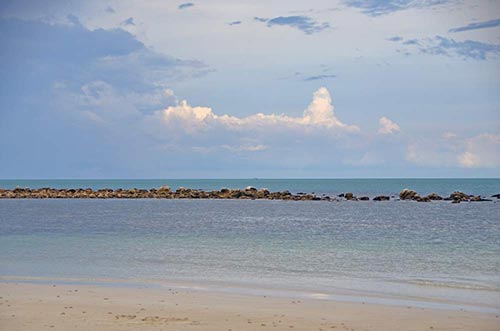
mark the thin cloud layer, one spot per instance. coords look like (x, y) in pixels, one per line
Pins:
(481, 151)
(185, 5)
(477, 26)
(383, 7)
(439, 45)
(319, 77)
(128, 21)
(468, 49)
(303, 23)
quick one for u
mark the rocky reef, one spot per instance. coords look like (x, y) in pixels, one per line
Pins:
(249, 192)
(163, 192)
(455, 197)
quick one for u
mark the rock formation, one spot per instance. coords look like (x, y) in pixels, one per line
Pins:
(249, 192)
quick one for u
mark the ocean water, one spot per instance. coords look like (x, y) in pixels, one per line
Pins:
(370, 187)
(438, 251)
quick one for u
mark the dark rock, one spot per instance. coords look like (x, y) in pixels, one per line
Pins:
(434, 196)
(408, 194)
(478, 199)
(349, 196)
(363, 198)
(457, 195)
(381, 198)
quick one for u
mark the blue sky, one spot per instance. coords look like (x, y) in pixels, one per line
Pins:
(218, 89)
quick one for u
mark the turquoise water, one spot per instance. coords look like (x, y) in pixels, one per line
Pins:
(485, 187)
(431, 251)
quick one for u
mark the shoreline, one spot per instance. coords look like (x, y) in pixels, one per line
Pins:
(27, 306)
(339, 295)
(248, 193)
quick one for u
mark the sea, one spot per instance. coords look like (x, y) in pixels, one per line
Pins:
(435, 254)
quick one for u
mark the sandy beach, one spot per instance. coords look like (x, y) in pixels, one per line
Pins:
(87, 307)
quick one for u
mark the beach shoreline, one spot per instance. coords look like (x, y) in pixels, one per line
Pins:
(52, 305)
(338, 294)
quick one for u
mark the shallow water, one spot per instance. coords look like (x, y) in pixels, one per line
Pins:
(432, 250)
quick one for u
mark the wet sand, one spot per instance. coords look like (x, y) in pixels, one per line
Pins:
(87, 307)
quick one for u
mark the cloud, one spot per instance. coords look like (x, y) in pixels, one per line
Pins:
(428, 153)
(86, 87)
(449, 135)
(256, 142)
(246, 148)
(303, 23)
(92, 116)
(411, 42)
(185, 5)
(261, 19)
(110, 10)
(468, 49)
(395, 39)
(319, 115)
(72, 19)
(318, 77)
(481, 151)
(128, 21)
(477, 26)
(386, 126)
(468, 160)
(383, 7)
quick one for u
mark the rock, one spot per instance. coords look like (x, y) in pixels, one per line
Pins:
(478, 199)
(434, 196)
(349, 196)
(408, 194)
(459, 196)
(250, 188)
(496, 196)
(249, 192)
(164, 189)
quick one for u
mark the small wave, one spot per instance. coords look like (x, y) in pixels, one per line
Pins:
(453, 284)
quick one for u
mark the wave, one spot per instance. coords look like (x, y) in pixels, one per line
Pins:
(454, 284)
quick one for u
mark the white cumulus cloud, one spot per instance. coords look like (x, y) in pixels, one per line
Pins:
(319, 114)
(386, 126)
(481, 151)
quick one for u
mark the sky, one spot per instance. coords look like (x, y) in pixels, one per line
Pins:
(244, 89)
